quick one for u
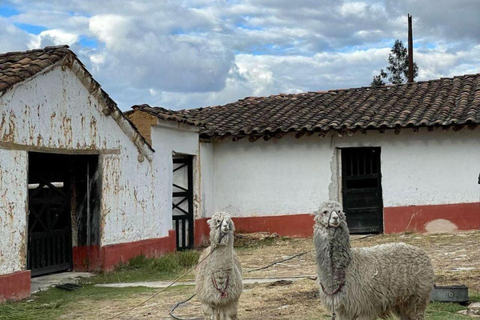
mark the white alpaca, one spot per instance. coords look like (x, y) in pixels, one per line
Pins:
(218, 278)
(366, 283)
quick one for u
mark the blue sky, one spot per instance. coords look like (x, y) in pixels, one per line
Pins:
(193, 53)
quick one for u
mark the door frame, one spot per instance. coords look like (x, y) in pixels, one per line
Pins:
(91, 232)
(181, 221)
(342, 176)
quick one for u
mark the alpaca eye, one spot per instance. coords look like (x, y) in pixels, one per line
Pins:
(325, 212)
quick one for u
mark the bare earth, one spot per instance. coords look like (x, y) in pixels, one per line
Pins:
(456, 259)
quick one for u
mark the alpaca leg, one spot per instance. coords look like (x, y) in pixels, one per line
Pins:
(231, 311)
(414, 310)
(207, 311)
(217, 314)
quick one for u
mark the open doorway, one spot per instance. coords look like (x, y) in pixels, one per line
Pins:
(63, 203)
(182, 201)
(362, 189)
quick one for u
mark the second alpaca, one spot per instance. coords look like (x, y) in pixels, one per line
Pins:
(218, 279)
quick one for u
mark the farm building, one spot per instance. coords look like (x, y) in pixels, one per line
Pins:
(400, 158)
(78, 183)
(83, 189)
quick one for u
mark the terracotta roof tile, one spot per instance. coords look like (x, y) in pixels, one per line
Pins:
(442, 102)
(16, 67)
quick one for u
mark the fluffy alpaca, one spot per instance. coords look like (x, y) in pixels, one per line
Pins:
(366, 283)
(218, 279)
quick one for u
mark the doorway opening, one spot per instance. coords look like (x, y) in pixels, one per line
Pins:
(362, 189)
(64, 205)
(182, 201)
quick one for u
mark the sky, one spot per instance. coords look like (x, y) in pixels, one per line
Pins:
(195, 53)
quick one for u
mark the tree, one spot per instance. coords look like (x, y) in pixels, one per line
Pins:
(397, 67)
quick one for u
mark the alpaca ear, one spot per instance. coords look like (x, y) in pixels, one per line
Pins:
(209, 221)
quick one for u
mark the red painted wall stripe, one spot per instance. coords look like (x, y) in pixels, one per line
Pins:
(15, 286)
(466, 216)
(107, 257)
(295, 225)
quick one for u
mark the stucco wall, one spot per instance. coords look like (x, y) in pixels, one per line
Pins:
(206, 180)
(13, 187)
(53, 112)
(169, 138)
(289, 175)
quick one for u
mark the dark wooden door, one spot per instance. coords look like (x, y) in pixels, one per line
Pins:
(49, 223)
(362, 189)
(182, 204)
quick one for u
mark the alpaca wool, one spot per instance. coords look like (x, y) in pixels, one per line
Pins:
(375, 282)
(218, 278)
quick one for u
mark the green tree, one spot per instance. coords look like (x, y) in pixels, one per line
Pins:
(397, 67)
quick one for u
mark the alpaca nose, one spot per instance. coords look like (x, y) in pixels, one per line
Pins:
(225, 227)
(334, 216)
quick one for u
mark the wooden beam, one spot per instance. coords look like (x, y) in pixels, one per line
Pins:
(300, 134)
(253, 138)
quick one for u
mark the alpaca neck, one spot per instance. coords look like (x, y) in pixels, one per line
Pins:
(333, 255)
(223, 255)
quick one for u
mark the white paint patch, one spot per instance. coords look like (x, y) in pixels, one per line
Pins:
(440, 226)
(291, 176)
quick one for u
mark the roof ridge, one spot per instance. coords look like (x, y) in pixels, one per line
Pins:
(407, 105)
(47, 48)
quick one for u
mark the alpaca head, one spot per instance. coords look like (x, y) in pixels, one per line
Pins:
(330, 215)
(221, 228)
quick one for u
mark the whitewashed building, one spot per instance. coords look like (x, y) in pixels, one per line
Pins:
(400, 158)
(82, 189)
(78, 183)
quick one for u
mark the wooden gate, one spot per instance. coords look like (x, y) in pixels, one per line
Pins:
(182, 202)
(362, 189)
(64, 209)
(49, 225)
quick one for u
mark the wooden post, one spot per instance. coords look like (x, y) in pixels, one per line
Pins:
(410, 49)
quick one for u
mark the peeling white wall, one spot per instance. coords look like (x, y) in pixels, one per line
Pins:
(13, 187)
(206, 180)
(290, 176)
(53, 112)
(169, 138)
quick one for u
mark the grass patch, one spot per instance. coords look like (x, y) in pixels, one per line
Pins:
(140, 268)
(52, 303)
(448, 311)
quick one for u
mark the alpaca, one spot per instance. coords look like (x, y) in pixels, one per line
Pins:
(218, 279)
(366, 283)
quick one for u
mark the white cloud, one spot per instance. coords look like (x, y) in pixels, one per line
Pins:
(192, 53)
(52, 37)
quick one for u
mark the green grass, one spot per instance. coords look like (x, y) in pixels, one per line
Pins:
(52, 303)
(141, 268)
(448, 311)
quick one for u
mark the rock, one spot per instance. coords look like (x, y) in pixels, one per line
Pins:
(475, 305)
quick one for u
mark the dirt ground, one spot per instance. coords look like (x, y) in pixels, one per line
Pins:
(456, 259)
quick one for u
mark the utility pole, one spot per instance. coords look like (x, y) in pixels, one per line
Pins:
(410, 49)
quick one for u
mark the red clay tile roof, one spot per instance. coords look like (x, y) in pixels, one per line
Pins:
(436, 103)
(16, 67)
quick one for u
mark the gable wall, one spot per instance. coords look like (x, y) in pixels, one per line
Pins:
(53, 112)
